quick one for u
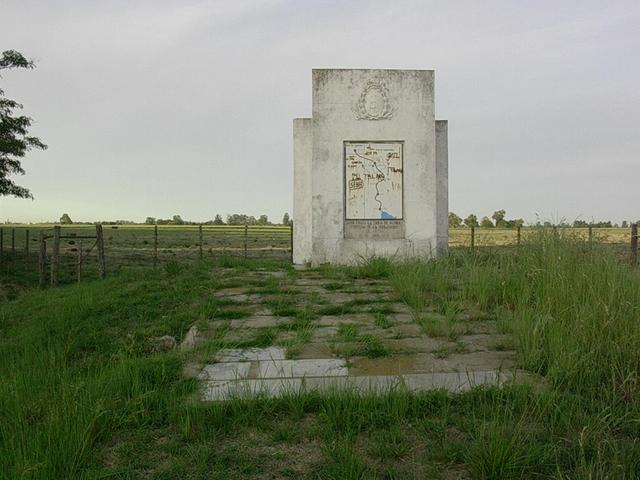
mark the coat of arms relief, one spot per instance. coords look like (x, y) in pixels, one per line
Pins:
(374, 103)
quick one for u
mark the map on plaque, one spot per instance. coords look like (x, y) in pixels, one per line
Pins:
(373, 180)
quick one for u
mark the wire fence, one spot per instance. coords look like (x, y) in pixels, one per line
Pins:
(145, 245)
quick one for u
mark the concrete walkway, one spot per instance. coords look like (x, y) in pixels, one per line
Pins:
(266, 372)
(358, 336)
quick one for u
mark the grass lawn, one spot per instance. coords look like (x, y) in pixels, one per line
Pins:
(87, 393)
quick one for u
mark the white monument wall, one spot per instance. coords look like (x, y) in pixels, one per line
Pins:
(371, 141)
(442, 195)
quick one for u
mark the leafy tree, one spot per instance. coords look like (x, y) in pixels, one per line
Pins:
(286, 219)
(65, 219)
(150, 221)
(241, 219)
(263, 220)
(15, 140)
(486, 222)
(580, 223)
(237, 219)
(625, 224)
(454, 220)
(498, 216)
(218, 220)
(177, 220)
(471, 220)
(516, 222)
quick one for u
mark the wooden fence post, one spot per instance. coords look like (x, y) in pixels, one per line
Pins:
(55, 256)
(200, 235)
(246, 233)
(155, 246)
(1, 242)
(42, 261)
(519, 235)
(590, 233)
(634, 244)
(473, 237)
(26, 243)
(291, 239)
(102, 269)
(79, 261)
(13, 242)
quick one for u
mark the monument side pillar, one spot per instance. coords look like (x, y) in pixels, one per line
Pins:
(442, 187)
(302, 220)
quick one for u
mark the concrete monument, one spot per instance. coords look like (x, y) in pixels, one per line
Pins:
(370, 168)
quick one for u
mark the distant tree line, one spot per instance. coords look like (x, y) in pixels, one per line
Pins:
(499, 220)
(232, 219)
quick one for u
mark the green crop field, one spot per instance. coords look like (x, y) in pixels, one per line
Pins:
(85, 394)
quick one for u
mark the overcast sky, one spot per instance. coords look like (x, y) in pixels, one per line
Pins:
(155, 108)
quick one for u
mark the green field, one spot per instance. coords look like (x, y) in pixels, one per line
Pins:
(136, 242)
(85, 395)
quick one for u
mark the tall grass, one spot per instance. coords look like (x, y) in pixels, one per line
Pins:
(77, 379)
(573, 307)
(75, 367)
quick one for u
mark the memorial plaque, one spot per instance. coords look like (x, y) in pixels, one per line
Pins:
(374, 229)
(373, 180)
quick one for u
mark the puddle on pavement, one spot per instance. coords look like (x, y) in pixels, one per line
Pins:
(396, 365)
(314, 350)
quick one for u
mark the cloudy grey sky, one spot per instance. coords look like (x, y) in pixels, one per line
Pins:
(159, 107)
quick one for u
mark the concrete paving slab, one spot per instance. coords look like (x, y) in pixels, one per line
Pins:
(338, 298)
(310, 282)
(452, 381)
(313, 349)
(317, 367)
(348, 319)
(373, 384)
(225, 292)
(250, 354)
(262, 310)
(225, 371)
(301, 289)
(365, 384)
(398, 365)
(397, 318)
(261, 321)
(483, 360)
(324, 333)
(407, 330)
(239, 335)
(415, 344)
(484, 341)
(225, 390)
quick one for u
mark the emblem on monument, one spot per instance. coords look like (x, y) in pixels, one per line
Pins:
(373, 103)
